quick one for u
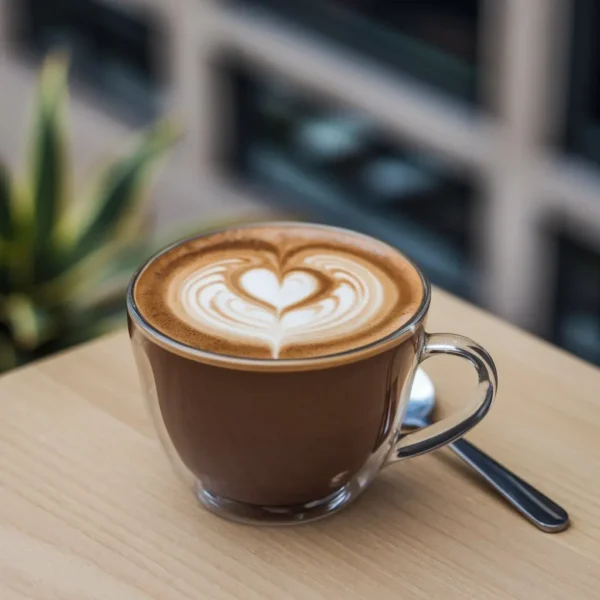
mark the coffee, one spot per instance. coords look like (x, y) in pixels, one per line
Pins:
(254, 347)
(279, 291)
(273, 438)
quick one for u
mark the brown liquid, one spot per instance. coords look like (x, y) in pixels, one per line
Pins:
(279, 291)
(276, 438)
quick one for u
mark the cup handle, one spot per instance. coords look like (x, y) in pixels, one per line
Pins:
(456, 425)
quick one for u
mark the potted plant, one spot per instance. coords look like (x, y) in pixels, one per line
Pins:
(65, 259)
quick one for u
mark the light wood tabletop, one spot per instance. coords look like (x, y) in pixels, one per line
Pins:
(90, 509)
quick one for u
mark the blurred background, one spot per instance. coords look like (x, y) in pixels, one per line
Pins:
(464, 132)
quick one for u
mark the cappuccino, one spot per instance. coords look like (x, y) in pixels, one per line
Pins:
(260, 433)
(279, 291)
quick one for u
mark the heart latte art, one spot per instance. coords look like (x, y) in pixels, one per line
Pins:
(280, 296)
(325, 298)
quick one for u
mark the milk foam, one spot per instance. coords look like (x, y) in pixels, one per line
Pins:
(279, 291)
(278, 310)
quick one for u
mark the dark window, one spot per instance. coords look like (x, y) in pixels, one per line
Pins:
(339, 166)
(435, 41)
(111, 48)
(582, 132)
(577, 300)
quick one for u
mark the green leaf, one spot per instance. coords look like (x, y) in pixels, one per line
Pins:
(20, 257)
(90, 283)
(108, 267)
(96, 329)
(8, 354)
(47, 162)
(107, 271)
(115, 206)
(112, 280)
(91, 324)
(29, 324)
(4, 269)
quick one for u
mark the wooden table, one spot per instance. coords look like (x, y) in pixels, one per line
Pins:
(89, 507)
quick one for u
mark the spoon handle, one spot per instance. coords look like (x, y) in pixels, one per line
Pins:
(531, 503)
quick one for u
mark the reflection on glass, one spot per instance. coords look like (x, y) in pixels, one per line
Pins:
(109, 46)
(433, 40)
(577, 310)
(342, 167)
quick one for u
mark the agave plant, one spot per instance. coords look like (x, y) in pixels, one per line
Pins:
(64, 258)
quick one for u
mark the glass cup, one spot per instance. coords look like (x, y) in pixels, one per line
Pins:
(287, 441)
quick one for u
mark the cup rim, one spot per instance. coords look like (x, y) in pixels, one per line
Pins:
(276, 364)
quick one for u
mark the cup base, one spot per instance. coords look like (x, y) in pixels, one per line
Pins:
(277, 515)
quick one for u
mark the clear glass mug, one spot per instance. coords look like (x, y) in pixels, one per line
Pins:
(287, 441)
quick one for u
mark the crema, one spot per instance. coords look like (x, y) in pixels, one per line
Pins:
(279, 291)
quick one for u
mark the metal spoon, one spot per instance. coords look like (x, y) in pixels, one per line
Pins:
(531, 503)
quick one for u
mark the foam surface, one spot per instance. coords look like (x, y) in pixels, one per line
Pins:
(279, 291)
